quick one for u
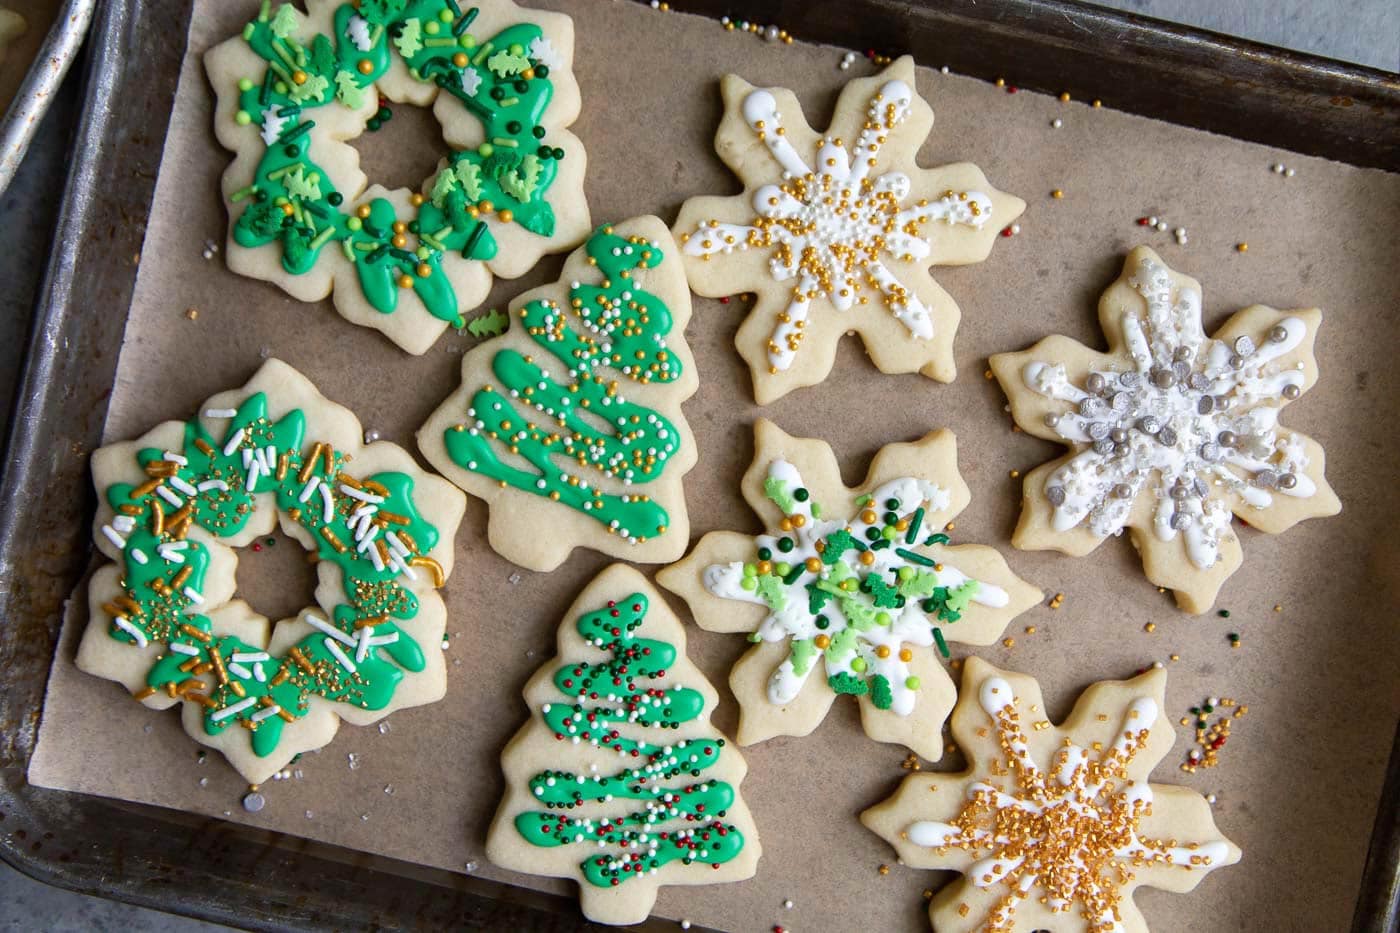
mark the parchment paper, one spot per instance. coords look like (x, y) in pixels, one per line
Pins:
(1299, 781)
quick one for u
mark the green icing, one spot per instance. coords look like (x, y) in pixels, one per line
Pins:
(213, 484)
(293, 202)
(620, 327)
(601, 700)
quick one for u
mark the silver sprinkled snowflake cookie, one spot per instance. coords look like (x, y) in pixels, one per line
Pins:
(1170, 432)
(835, 233)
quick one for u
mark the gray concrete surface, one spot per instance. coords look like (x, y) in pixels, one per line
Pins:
(1362, 31)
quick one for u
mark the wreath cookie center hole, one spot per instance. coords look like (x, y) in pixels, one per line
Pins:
(401, 146)
(274, 576)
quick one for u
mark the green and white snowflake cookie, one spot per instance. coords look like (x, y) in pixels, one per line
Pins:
(852, 591)
(293, 91)
(173, 506)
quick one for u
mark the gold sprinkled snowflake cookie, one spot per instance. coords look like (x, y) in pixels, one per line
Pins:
(1170, 431)
(1052, 827)
(835, 233)
(853, 590)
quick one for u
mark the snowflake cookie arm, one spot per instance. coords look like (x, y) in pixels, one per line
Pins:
(818, 277)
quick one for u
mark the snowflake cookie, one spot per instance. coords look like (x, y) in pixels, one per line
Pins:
(618, 780)
(1052, 827)
(569, 425)
(835, 233)
(164, 621)
(1170, 431)
(293, 91)
(860, 583)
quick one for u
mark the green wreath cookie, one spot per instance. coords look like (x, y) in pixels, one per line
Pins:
(163, 620)
(293, 90)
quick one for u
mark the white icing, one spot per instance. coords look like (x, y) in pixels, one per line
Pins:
(828, 228)
(471, 81)
(908, 626)
(1134, 434)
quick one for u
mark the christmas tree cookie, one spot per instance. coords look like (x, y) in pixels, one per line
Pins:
(835, 233)
(1052, 827)
(569, 425)
(1170, 432)
(618, 781)
(293, 91)
(173, 506)
(851, 591)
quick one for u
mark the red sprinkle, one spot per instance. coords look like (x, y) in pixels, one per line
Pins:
(1142, 221)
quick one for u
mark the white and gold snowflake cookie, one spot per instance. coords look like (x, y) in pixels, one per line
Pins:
(1052, 827)
(835, 233)
(1170, 432)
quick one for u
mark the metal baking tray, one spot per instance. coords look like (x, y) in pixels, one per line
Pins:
(20, 121)
(256, 879)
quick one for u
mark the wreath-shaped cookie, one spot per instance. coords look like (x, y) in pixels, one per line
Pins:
(176, 502)
(293, 90)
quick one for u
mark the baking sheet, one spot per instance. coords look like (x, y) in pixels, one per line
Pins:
(1298, 784)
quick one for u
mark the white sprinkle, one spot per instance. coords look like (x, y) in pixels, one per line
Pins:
(250, 657)
(182, 486)
(362, 649)
(376, 559)
(209, 484)
(1057, 123)
(169, 496)
(233, 709)
(180, 647)
(234, 442)
(131, 630)
(124, 523)
(258, 674)
(220, 412)
(112, 536)
(341, 657)
(266, 713)
(138, 555)
(328, 504)
(1289, 173)
(395, 544)
(309, 488)
(360, 494)
(240, 670)
(331, 630)
(176, 458)
(193, 595)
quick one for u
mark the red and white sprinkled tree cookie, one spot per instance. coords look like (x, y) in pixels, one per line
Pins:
(1170, 432)
(619, 781)
(175, 503)
(1052, 827)
(835, 233)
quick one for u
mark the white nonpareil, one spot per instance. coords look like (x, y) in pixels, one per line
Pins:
(854, 647)
(829, 228)
(1194, 421)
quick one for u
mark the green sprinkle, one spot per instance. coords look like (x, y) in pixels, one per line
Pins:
(914, 558)
(863, 501)
(438, 42)
(942, 645)
(913, 683)
(240, 195)
(793, 576)
(858, 665)
(1224, 613)
(913, 533)
(937, 539)
(322, 237)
